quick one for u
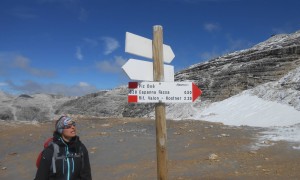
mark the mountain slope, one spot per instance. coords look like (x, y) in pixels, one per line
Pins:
(231, 74)
(37, 107)
(103, 104)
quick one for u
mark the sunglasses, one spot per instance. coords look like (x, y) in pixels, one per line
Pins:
(70, 125)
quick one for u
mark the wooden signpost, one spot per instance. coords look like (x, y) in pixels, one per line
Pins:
(160, 90)
(160, 108)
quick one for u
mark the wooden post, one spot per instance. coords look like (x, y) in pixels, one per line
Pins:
(160, 112)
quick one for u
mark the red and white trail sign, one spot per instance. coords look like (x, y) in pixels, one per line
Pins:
(166, 92)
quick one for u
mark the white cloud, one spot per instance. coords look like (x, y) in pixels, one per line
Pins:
(4, 67)
(79, 53)
(3, 84)
(111, 44)
(120, 61)
(83, 84)
(23, 63)
(237, 44)
(10, 61)
(32, 87)
(209, 55)
(210, 27)
(113, 66)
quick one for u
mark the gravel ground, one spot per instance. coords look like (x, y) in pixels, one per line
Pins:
(125, 149)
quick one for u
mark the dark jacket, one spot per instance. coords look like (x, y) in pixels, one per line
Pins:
(72, 162)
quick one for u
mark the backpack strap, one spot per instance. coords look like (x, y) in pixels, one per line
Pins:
(82, 156)
(55, 155)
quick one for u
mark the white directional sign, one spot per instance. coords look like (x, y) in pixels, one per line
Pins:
(166, 92)
(141, 46)
(143, 70)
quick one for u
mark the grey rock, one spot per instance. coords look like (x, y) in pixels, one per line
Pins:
(6, 114)
(103, 104)
(37, 107)
(231, 74)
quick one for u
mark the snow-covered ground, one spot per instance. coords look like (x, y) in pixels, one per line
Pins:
(281, 120)
(274, 106)
(246, 109)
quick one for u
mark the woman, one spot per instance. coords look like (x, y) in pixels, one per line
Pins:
(66, 158)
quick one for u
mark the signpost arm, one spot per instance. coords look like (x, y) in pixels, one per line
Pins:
(160, 112)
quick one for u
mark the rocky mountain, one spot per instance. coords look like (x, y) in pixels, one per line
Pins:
(271, 66)
(285, 91)
(230, 74)
(106, 104)
(37, 107)
(103, 104)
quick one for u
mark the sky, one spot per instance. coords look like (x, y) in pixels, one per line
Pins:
(76, 47)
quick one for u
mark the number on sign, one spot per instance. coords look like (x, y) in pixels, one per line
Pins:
(187, 92)
(187, 98)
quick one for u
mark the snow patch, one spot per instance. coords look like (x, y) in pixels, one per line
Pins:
(246, 109)
(290, 133)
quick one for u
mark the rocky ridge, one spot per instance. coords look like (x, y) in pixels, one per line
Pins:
(37, 107)
(103, 104)
(231, 74)
(286, 90)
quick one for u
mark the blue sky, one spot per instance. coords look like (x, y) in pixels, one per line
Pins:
(75, 47)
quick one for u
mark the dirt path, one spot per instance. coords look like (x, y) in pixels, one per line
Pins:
(125, 149)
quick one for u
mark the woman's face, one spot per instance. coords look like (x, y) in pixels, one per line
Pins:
(69, 131)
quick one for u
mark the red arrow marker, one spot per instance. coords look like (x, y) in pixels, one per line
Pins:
(132, 99)
(132, 85)
(196, 91)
